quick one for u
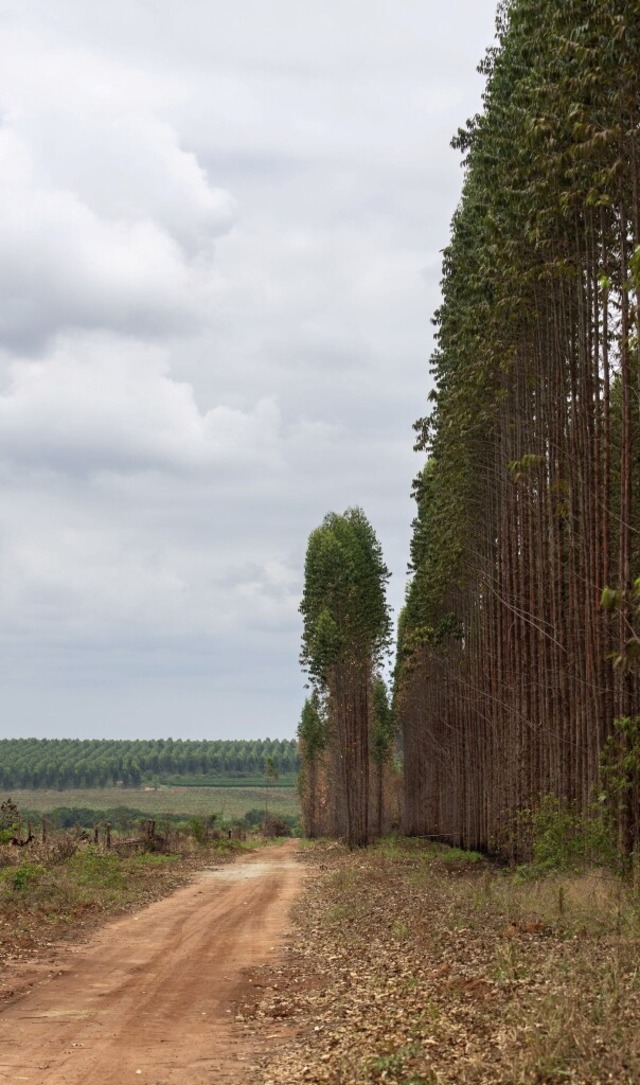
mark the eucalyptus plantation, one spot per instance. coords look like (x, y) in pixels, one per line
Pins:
(510, 675)
(346, 631)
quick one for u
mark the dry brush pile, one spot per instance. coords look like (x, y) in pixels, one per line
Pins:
(418, 965)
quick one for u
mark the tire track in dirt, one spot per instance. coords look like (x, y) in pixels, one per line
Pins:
(148, 999)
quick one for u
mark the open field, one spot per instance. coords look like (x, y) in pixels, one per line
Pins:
(284, 780)
(227, 803)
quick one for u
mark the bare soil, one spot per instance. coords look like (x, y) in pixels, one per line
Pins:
(152, 997)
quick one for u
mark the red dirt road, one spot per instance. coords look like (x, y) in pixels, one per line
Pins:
(148, 998)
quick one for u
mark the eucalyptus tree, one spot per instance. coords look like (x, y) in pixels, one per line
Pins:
(345, 635)
(383, 733)
(312, 746)
(271, 775)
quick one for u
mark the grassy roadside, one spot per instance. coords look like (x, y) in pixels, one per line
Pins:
(418, 965)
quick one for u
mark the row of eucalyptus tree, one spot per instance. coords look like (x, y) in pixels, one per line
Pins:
(512, 680)
(345, 729)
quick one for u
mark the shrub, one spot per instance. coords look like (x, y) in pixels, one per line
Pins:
(26, 875)
(563, 839)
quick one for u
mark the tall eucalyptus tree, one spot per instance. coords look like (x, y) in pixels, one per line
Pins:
(383, 733)
(312, 745)
(346, 631)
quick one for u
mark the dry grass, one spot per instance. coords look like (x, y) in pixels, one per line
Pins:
(415, 966)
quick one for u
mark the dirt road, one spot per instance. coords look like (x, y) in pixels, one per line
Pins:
(149, 998)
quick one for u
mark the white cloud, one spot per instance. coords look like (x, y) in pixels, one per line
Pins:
(107, 404)
(218, 258)
(109, 222)
(71, 576)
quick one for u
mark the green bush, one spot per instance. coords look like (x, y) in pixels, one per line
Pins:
(26, 875)
(9, 821)
(562, 839)
(198, 830)
(97, 869)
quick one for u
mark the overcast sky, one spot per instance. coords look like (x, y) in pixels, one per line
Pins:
(220, 235)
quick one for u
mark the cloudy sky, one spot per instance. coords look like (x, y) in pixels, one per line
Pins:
(220, 235)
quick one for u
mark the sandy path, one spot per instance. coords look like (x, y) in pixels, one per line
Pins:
(147, 999)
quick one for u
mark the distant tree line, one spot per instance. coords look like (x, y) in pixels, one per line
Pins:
(73, 763)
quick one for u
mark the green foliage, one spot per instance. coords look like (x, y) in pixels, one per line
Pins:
(563, 839)
(93, 868)
(453, 856)
(527, 463)
(344, 607)
(621, 757)
(346, 633)
(270, 770)
(620, 771)
(628, 603)
(634, 269)
(26, 875)
(9, 814)
(57, 888)
(9, 820)
(383, 731)
(313, 734)
(200, 830)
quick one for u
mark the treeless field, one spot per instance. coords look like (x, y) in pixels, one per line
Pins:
(227, 803)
